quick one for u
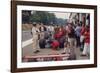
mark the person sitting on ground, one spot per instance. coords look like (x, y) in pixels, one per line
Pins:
(55, 45)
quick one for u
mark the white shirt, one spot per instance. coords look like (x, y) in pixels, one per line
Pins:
(35, 31)
(52, 28)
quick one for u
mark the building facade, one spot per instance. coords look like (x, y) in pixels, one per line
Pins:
(81, 17)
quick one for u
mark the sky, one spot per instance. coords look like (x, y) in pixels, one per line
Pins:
(63, 15)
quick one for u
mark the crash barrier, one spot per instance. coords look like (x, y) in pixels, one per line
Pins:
(39, 58)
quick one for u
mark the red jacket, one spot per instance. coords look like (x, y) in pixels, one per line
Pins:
(82, 30)
(87, 37)
(55, 44)
(59, 34)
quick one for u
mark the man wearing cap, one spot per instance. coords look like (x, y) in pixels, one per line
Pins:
(35, 33)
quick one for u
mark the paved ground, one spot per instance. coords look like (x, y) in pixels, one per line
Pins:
(26, 35)
(27, 50)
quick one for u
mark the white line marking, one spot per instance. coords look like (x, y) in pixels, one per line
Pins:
(25, 43)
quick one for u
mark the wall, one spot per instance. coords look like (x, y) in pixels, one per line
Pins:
(5, 36)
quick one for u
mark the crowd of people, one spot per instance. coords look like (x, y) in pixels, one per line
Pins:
(66, 37)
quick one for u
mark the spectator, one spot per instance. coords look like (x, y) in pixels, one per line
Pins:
(71, 35)
(70, 50)
(77, 33)
(82, 37)
(86, 49)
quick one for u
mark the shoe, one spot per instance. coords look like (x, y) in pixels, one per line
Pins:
(63, 53)
(37, 51)
(83, 55)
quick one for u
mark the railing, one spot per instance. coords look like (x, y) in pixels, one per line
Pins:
(44, 57)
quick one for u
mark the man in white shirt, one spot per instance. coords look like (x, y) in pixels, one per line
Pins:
(35, 33)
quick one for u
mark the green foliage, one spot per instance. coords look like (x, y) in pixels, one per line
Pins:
(42, 17)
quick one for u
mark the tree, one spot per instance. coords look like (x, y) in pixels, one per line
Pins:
(25, 16)
(42, 17)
